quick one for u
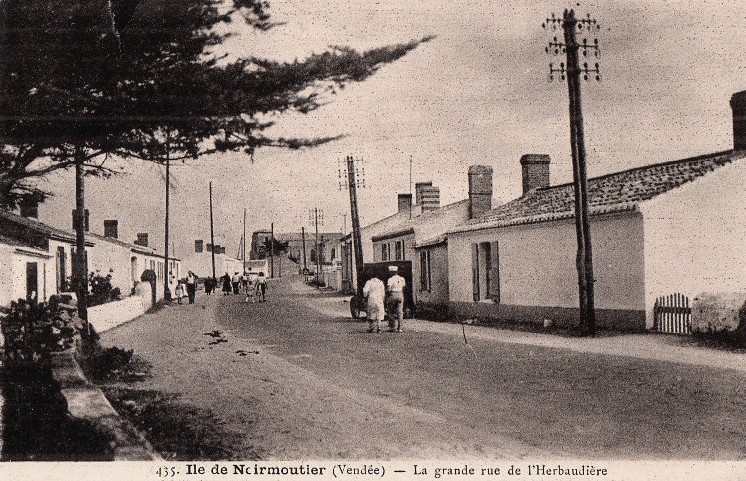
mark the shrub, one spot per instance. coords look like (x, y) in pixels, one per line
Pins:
(32, 330)
(112, 364)
(102, 290)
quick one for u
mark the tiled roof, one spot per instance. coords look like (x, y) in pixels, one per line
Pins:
(617, 192)
(147, 250)
(38, 226)
(411, 226)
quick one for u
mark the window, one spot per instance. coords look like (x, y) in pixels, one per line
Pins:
(32, 280)
(425, 276)
(385, 252)
(485, 261)
(399, 250)
(61, 269)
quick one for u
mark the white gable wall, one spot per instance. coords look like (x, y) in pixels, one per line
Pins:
(695, 237)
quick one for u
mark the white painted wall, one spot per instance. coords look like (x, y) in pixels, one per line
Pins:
(695, 237)
(18, 275)
(537, 263)
(52, 267)
(6, 284)
(108, 257)
(438, 293)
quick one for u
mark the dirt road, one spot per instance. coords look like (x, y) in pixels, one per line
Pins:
(297, 378)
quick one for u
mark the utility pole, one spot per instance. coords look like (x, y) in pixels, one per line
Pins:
(243, 255)
(80, 271)
(167, 271)
(571, 47)
(317, 217)
(354, 178)
(303, 236)
(212, 237)
(272, 250)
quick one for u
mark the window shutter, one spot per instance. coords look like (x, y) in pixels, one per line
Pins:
(475, 271)
(494, 263)
(423, 271)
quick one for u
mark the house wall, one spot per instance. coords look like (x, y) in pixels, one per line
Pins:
(6, 265)
(538, 274)
(366, 239)
(18, 275)
(438, 294)
(52, 267)
(695, 237)
(111, 258)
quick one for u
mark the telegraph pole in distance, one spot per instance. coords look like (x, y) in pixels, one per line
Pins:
(317, 217)
(571, 47)
(272, 250)
(243, 256)
(303, 236)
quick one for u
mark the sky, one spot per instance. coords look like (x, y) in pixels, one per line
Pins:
(477, 94)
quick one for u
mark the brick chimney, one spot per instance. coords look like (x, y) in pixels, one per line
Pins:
(535, 169)
(480, 190)
(404, 202)
(29, 208)
(142, 239)
(427, 196)
(738, 105)
(87, 220)
(111, 228)
(199, 245)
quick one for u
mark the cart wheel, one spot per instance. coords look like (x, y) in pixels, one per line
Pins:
(355, 307)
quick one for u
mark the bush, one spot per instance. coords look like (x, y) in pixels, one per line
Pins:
(32, 330)
(102, 291)
(112, 364)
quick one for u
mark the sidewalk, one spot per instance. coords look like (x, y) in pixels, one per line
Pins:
(642, 346)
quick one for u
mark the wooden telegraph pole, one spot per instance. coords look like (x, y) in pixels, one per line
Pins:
(572, 48)
(243, 247)
(212, 237)
(167, 271)
(303, 235)
(355, 178)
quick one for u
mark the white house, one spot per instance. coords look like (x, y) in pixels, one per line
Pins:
(421, 240)
(126, 261)
(674, 227)
(37, 257)
(405, 211)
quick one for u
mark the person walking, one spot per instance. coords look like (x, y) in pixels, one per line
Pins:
(226, 281)
(179, 291)
(191, 286)
(261, 287)
(395, 286)
(235, 282)
(375, 293)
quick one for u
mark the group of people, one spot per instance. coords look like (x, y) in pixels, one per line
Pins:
(253, 285)
(186, 288)
(377, 295)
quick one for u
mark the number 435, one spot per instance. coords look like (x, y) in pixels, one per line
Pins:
(166, 471)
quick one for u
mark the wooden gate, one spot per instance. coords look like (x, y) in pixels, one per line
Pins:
(673, 314)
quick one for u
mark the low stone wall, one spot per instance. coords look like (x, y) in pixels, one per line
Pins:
(85, 401)
(716, 312)
(112, 314)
